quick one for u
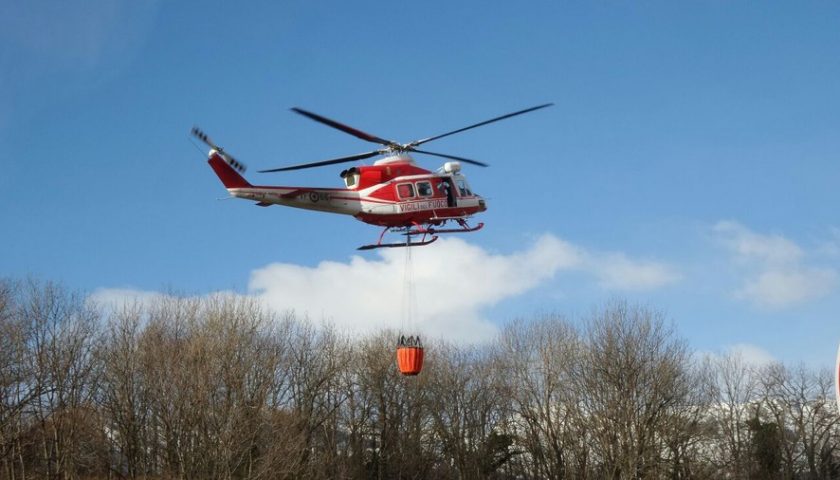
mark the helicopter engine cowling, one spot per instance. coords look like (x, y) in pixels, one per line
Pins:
(452, 167)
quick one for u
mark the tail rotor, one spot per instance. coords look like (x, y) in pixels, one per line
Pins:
(204, 138)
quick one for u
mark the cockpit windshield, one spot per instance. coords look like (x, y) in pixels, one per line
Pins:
(351, 180)
(463, 187)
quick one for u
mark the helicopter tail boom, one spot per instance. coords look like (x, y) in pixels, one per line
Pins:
(227, 174)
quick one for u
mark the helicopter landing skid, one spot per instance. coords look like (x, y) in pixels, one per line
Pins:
(397, 245)
(465, 228)
(406, 243)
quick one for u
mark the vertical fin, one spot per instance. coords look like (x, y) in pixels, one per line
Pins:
(227, 174)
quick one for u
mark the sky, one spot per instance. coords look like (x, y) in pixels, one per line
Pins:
(690, 162)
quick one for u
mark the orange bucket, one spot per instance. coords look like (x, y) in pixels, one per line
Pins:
(410, 360)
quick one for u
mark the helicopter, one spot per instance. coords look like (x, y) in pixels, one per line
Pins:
(394, 193)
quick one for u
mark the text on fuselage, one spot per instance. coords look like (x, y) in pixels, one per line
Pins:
(427, 205)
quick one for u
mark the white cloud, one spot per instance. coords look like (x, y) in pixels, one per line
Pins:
(617, 272)
(737, 355)
(750, 246)
(774, 271)
(778, 289)
(454, 281)
(114, 298)
(751, 354)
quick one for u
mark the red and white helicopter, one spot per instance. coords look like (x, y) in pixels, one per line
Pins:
(393, 193)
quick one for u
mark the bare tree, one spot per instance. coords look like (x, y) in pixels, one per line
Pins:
(66, 425)
(686, 431)
(216, 387)
(819, 428)
(798, 400)
(315, 361)
(536, 363)
(634, 374)
(123, 394)
(389, 414)
(168, 360)
(734, 400)
(17, 385)
(468, 412)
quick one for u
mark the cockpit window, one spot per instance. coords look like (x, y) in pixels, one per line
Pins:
(463, 189)
(405, 190)
(424, 189)
(351, 179)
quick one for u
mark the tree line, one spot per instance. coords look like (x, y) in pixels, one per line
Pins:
(218, 387)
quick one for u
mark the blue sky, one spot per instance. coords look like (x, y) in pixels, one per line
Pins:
(690, 163)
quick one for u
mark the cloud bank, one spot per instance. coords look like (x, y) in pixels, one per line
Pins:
(751, 354)
(454, 281)
(775, 270)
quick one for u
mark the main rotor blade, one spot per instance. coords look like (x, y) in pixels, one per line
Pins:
(453, 157)
(420, 142)
(342, 127)
(301, 166)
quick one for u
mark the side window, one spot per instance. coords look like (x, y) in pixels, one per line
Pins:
(351, 180)
(405, 190)
(462, 188)
(424, 189)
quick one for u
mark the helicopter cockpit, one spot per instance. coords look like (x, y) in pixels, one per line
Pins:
(463, 186)
(454, 169)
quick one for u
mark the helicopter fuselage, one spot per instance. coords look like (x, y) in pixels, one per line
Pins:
(394, 192)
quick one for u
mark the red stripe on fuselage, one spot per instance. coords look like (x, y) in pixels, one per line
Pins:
(420, 217)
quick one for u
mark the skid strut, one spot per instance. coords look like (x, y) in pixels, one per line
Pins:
(464, 228)
(407, 243)
(424, 231)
